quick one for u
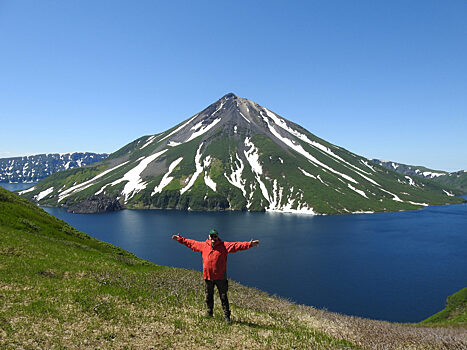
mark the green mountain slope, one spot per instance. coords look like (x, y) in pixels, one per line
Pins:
(60, 288)
(455, 182)
(237, 155)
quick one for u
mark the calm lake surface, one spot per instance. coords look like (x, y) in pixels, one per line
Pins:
(16, 186)
(389, 266)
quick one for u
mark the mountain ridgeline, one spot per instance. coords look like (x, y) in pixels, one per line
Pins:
(456, 181)
(237, 155)
(37, 167)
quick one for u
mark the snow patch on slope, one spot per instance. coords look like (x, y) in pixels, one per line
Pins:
(301, 208)
(149, 140)
(281, 123)
(166, 179)
(86, 184)
(411, 181)
(252, 155)
(28, 190)
(203, 129)
(218, 108)
(235, 177)
(360, 192)
(298, 148)
(306, 173)
(432, 174)
(243, 116)
(179, 128)
(320, 179)
(415, 203)
(199, 170)
(364, 162)
(135, 182)
(275, 199)
(43, 194)
(450, 194)
(395, 197)
(207, 180)
(275, 202)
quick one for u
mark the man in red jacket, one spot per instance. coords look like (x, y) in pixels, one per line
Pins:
(214, 252)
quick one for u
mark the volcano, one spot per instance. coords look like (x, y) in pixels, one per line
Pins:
(236, 155)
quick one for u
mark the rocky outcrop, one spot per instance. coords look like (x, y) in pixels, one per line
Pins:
(96, 204)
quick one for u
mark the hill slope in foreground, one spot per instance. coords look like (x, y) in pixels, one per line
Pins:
(60, 288)
(455, 311)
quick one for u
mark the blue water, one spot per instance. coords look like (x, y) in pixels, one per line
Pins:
(390, 266)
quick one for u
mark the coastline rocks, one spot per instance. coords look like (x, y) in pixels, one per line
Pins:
(96, 204)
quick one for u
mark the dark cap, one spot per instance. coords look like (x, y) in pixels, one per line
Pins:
(213, 232)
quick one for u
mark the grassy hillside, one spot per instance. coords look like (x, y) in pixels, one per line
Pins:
(62, 289)
(455, 311)
(456, 180)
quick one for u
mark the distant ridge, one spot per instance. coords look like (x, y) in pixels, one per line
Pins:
(37, 167)
(455, 181)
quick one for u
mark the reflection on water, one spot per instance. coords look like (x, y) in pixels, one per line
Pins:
(391, 266)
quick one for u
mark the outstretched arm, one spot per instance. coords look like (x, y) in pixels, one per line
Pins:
(233, 247)
(254, 243)
(196, 246)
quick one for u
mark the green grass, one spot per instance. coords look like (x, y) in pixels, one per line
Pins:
(455, 311)
(61, 288)
(456, 180)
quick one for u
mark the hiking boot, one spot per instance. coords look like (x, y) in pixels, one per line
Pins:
(208, 314)
(227, 320)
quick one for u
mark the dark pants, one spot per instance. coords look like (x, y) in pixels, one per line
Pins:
(222, 287)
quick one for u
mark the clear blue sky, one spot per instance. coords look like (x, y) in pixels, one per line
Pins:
(384, 79)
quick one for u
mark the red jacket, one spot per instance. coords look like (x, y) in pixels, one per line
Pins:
(214, 258)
